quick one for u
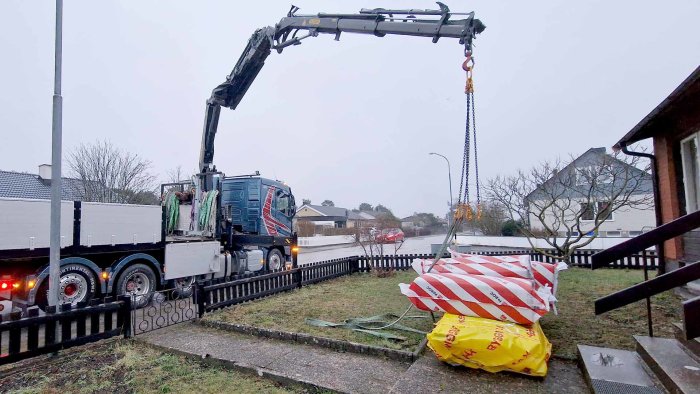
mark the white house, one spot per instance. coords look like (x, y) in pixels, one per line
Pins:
(566, 196)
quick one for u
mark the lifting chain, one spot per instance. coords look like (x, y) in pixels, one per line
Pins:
(464, 210)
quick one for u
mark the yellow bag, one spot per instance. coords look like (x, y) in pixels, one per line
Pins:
(490, 345)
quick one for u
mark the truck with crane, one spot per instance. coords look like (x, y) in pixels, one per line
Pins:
(236, 224)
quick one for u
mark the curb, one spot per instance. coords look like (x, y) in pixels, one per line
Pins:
(306, 339)
(248, 369)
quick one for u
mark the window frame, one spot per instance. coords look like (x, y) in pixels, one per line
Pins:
(596, 210)
(692, 201)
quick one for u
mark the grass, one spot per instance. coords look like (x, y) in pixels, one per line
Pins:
(577, 323)
(366, 295)
(360, 295)
(126, 367)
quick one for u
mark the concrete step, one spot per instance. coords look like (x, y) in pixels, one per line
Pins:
(671, 362)
(693, 345)
(616, 371)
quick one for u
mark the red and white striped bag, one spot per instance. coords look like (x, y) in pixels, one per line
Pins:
(545, 274)
(507, 299)
(454, 266)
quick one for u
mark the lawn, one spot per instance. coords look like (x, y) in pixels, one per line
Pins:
(362, 295)
(359, 295)
(577, 323)
(126, 367)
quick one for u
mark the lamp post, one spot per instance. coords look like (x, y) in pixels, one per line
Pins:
(449, 177)
(56, 132)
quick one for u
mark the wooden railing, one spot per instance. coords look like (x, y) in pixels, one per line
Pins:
(661, 283)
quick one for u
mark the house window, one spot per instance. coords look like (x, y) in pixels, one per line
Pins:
(587, 212)
(600, 210)
(603, 211)
(691, 172)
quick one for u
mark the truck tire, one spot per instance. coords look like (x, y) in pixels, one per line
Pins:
(139, 282)
(77, 284)
(275, 260)
(183, 287)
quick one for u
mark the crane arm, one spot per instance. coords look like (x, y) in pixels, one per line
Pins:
(434, 24)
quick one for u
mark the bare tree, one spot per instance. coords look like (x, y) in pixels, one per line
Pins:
(491, 219)
(109, 174)
(176, 174)
(370, 239)
(566, 207)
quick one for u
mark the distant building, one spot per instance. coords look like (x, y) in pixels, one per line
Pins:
(334, 216)
(412, 222)
(37, 186)
(623, 222)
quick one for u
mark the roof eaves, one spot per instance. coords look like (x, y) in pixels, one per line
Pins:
(641, 129)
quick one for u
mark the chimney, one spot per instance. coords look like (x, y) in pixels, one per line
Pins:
(45, 172)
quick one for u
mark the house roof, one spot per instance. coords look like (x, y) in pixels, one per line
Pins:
(352, 215)
(588, 158)
(25, 185)
(327, 211)
(369, 215)
(683, 99)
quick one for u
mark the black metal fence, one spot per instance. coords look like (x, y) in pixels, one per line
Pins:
(583, 258)
(216, 294)
(34, 335)
(166, 308)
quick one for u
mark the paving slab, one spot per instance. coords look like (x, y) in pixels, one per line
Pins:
(428, 375)
(615, 370)
(279, 360)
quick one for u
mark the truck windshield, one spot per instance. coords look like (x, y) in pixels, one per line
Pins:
(282, 202)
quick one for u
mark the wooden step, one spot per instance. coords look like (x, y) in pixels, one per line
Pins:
(616, 371)
(672, 363)
(693, 344)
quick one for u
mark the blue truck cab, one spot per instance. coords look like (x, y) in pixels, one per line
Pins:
(257, 212)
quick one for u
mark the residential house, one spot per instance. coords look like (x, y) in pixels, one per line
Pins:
(362, 219)
(674, 127)
(37, 186)
(335, 217)
(570, 187)
(322, 215)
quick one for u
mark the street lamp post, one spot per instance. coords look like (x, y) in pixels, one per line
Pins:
(449, 177)
(56, 136)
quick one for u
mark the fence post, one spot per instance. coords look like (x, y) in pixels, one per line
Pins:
(125, 310)
(354, 264)
(297, 277)
(199, 297)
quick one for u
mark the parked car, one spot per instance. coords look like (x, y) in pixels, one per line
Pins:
(390, 236)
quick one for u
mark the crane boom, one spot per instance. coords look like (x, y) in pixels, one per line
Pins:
(378, 22)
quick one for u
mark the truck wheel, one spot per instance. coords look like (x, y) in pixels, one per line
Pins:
(275, 260)
(76, 284)
(183, 287)
(139, 282)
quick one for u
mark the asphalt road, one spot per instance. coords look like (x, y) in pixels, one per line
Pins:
(410, 246)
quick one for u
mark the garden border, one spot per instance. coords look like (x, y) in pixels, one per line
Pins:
(307, 339)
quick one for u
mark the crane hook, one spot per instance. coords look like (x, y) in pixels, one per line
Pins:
(468, 66)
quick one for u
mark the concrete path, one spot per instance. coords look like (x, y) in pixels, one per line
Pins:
(349, 372)
(282, 361)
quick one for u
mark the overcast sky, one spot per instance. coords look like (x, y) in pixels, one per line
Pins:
(352, 121)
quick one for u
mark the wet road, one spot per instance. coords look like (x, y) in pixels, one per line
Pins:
(410, 246)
